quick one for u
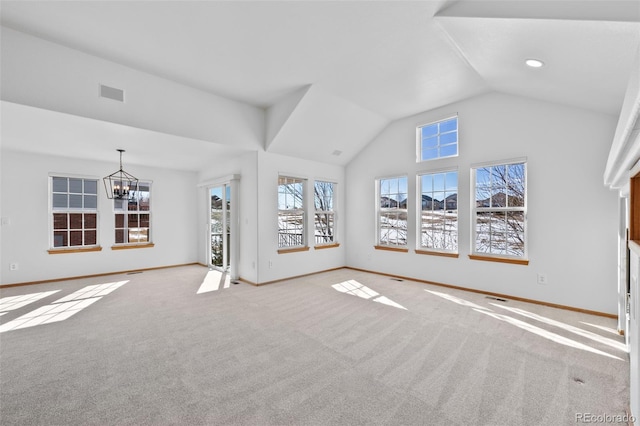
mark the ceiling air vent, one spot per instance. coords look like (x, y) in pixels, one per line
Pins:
(111, 93)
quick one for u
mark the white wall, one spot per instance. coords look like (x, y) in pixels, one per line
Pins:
(25, 201)
(572, 218)
(272, 265)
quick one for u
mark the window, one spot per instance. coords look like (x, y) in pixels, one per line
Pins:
(325, 221)
(439, 211)
(74, 207)
(392, 212)
(291, 217)
(499, 210)
(133, 216)
(438, 140)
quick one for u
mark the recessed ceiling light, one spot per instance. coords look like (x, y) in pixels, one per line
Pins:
(337, 152)
(534, 63)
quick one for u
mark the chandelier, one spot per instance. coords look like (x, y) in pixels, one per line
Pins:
(120, 184)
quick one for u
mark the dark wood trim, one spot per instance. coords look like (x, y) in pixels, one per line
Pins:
(327, 246)
(499, 259)
(73, 250)
(78, 277)
(292, 250)
(437, 253)
(387, 248)
(132, 246)
(500, 295)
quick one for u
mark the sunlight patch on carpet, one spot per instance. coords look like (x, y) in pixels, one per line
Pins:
(357, 289)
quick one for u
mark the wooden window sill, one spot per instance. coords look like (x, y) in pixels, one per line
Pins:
(326, 246)
(437, 253)
(390, 248)
(132, 246)
(292, 250)
(499, 259)
(73, 250)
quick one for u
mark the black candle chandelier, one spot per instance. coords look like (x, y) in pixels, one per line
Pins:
(120, 184)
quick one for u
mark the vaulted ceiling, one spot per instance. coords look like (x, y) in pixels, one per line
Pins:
(327, 75)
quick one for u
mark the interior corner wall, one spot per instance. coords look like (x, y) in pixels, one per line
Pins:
(25, 239)
(572, 218)
(245, 166)
(271, 264)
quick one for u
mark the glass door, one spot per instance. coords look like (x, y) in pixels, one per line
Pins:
(220, 227)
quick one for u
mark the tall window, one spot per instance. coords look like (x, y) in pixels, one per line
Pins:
(133, 216)
(74, 205)
(392, 211)
(438, 140)
(291, 218)
(499, 210)
(325, 223)
(439, 211)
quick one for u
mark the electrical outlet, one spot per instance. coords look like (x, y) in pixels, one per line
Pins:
(270, 264)
(542, 278)
(13, 267)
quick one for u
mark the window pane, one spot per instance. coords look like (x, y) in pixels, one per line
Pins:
(144, 220)
(323, 196)
(324, 228)
(75, 186)
(448, 138)
(90, 221)
(290, 229)
(60, 221)
(431, 142)
(429, 154)
(75, 201)
(451, 181)
(60, 239)
(119, 220)
(119, 236)
(132, 220)
(448, 150)
(59, 184)
(429, 130)
(75, 238)
(75, 221)
(60, 201)
(90, 186)
(449, 125)
(90, 237)
(90, 202)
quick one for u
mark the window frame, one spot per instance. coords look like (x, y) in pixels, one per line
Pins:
(68, 211)
(328, 213)
(380, 211)
(296, 211)
(438, 146)
(420, 248)
(475, 209)
(126, 220)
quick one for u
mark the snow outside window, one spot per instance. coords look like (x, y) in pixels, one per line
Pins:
(291, 217)
(392, 211)
(439, 211)
(500, 210)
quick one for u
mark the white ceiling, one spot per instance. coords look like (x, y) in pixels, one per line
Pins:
(375, 61)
